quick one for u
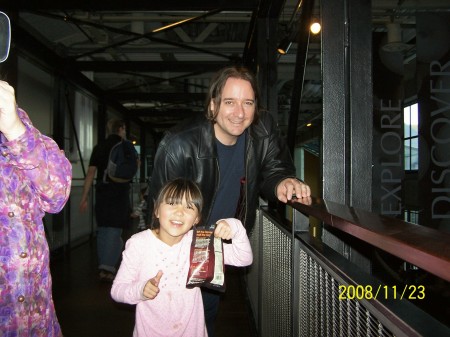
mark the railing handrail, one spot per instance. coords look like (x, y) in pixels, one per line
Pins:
(424, 247)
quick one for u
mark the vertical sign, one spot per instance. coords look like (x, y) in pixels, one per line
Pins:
(433, 74)
(388, 163)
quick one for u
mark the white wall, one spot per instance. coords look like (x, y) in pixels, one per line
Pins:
(34, 94)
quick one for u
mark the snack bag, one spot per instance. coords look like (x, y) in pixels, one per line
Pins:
(206, 260)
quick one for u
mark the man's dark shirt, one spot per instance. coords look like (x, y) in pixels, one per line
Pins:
(112, 200)
(231, 168)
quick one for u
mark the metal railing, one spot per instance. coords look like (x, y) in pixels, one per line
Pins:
(300, 286)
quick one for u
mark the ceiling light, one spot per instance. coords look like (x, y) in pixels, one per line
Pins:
(315, 28)
(284, 46)
(394, 39)
(178, 23)
(172, 25)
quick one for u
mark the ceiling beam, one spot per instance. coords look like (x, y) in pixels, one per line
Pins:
(150, 66)
(136, 5)
(32, 49)
(164, 114)
(172, 97)
(265, 9)
(134, 36)
(307, 8)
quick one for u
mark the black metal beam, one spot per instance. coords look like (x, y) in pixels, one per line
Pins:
(150, 66)
(265, 9)
(132, 36)
(299, 74)
(347, 103)
(29, 47)
(163, 113)
(135, 5)
(172, 97)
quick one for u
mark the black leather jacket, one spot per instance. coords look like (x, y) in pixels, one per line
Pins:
(189, 150)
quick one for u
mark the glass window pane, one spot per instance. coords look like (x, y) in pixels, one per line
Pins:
(414, 153)
(407, 151)
(407, 121)
(407, 115)
(415, 217)
(414, 120)
(415, 144)
(407, 131)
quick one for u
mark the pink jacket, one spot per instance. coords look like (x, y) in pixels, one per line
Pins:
(176, 311)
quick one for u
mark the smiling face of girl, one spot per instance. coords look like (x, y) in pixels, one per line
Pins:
(175, 220)
(177, 210)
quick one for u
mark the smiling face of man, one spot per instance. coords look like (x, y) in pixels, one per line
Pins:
(236, 110)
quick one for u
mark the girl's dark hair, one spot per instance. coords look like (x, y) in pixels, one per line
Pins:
(173, 192)
(218, 83)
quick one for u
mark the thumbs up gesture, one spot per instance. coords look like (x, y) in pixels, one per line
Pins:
(151, 288)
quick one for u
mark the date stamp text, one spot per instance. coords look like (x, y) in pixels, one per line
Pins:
(393, 292)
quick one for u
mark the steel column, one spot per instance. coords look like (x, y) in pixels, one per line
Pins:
(347, 102)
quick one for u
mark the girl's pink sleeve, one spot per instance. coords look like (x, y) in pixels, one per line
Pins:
(127, 287)
(239, 251)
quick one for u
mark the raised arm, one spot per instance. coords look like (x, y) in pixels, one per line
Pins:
(239, 251)
(36, 157)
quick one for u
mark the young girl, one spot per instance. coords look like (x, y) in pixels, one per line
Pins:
(155, 264)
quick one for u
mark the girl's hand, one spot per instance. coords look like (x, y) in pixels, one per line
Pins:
(223, 230)
(151, 288)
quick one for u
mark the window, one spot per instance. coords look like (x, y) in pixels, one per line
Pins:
(84, 124)
(411, 136)
(411, 216)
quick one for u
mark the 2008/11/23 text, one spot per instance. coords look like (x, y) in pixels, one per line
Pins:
(360, 292)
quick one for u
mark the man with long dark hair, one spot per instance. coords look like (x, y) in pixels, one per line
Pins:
(235, 147)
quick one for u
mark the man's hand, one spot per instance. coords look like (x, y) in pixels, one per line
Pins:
(291, 188)
(305, 200)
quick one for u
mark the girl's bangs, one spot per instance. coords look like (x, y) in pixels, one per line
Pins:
(175, 194)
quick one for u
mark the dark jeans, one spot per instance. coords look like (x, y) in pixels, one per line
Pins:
(112, 205)
(109, 247)
(211, 301)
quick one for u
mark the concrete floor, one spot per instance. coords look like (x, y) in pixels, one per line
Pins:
(85, 308)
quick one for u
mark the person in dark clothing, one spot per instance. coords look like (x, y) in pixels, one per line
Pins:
(112, 203)
(236, 143)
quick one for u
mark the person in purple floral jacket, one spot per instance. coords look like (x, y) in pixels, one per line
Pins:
(35, 177)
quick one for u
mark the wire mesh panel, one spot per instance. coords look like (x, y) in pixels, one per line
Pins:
(296, 289)
(276, 282)
(252, 276)
(322, 313)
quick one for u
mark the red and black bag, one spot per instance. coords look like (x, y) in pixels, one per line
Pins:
(207, 267)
